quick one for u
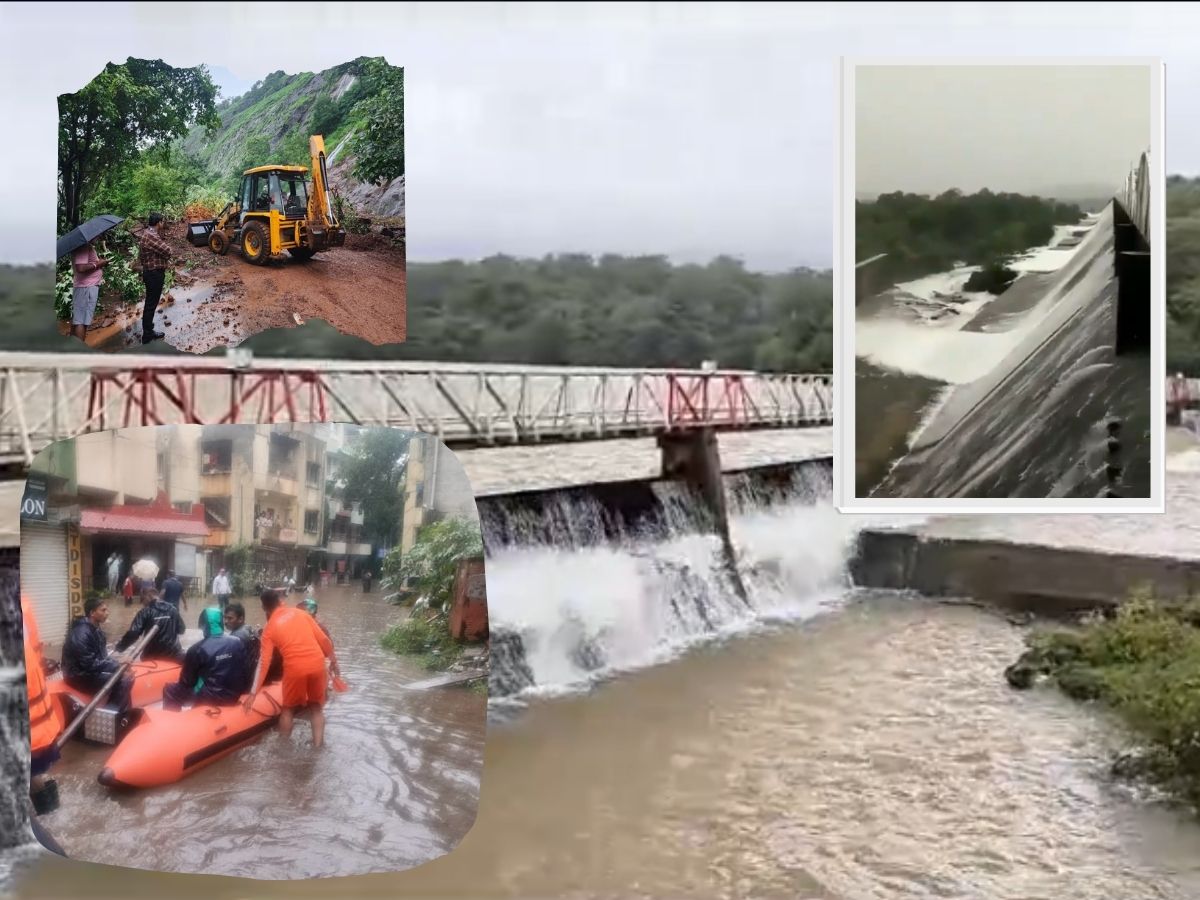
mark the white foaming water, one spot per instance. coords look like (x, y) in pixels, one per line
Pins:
(951, 356)
(938, 348)
(588, 613)
(1051, 257)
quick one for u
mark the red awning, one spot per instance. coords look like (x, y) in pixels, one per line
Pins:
(158, 517)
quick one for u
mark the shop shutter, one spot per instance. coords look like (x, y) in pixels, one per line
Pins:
(44, 578)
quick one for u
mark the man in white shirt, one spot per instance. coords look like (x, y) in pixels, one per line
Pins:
(114, 572)
(221, 589)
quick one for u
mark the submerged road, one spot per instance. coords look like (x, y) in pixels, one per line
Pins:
(396, 784)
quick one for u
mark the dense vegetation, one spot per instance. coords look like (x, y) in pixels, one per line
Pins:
(373, 475)
(425, 576)
(143, 136)
(637, 311)
(922, 235)
(1183, 274)
(1143, 663)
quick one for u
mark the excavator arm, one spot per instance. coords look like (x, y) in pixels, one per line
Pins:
(322, 221)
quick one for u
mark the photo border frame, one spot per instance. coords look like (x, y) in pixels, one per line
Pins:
(844, 309)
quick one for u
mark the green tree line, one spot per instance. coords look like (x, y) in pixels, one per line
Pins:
(922, 235)
(143, 135)
(615, 310)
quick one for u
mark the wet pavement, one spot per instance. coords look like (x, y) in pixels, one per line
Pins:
(220, 301)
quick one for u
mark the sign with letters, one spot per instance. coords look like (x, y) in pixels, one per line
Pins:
(33, 504)
(74, 571)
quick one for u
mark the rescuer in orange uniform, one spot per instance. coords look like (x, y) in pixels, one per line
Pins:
(45, 718)
(304, 648)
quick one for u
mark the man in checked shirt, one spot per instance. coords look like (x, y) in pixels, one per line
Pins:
(154, 256)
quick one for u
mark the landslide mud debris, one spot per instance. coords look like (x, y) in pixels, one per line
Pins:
(218, 301)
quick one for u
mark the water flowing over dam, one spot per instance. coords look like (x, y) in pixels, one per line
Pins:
(613, 595)
(1035, 424)
(1043, 391)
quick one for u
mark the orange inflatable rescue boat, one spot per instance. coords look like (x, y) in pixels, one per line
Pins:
(150, 676)
(168, 745)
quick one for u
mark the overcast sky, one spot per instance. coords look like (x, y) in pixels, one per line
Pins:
(1027, 129)
(688, 130)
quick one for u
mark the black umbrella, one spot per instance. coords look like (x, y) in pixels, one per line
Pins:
(88, 231)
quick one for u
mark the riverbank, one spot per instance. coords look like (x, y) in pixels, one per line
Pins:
(1143, 662)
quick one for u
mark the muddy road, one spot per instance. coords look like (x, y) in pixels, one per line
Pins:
(218, 301)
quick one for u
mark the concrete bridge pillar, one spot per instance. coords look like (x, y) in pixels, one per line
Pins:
(692, 457)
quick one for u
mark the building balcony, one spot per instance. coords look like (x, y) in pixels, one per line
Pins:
(216, 484)
(277, 483)
(337, 548)
(276, 534)
(221, 538)
(360, 550)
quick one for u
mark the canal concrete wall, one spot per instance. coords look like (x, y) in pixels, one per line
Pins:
(1048, 581)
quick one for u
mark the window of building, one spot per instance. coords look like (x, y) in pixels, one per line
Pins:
(311, 521)
(216, 457)
(314, 473)
(184, 507)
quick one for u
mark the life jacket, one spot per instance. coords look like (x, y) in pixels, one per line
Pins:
(45, 716)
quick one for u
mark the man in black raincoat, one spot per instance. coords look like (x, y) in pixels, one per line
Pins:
(86, 663)
(156, 611)
(214, 669)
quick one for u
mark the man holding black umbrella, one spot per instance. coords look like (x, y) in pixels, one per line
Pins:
(153, 257)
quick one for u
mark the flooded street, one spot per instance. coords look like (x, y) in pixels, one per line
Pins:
(396, 783)
(870, 751)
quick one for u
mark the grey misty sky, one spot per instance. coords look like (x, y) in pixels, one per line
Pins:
(682, 129)
(926, 129)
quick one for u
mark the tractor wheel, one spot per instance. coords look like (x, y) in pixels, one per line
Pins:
(218, 243)
(302, 253)
(255, 246)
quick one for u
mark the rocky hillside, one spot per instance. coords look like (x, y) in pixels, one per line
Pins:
(271, 124)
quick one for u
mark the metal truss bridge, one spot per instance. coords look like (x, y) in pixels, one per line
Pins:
(50, 397)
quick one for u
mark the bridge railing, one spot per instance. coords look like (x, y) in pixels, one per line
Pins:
(48, 397)
(1136, 196)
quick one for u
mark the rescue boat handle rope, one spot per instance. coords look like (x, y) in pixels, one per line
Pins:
(214, 711)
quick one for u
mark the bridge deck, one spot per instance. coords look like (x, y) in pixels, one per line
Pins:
(49, 397)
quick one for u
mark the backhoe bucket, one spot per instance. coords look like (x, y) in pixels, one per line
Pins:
(199, 232)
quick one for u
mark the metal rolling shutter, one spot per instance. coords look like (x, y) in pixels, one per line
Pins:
(44, 577)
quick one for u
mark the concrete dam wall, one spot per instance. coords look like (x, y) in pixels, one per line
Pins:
(1066, 413)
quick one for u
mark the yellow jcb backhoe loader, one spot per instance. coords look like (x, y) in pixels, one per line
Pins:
(277, 209)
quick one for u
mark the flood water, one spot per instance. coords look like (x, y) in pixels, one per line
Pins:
(396, 784)
(821, 743)
(871, 751)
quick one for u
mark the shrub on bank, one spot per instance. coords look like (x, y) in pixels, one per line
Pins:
(427, 639)
(994, 278)
(1144, 663)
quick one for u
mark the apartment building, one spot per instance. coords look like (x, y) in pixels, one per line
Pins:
(264, 486)
(435, 487)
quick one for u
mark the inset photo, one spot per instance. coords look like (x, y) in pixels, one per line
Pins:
(257, 651)
(1001, 289)
(199, 207)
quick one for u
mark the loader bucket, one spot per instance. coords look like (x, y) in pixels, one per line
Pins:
(198, 232)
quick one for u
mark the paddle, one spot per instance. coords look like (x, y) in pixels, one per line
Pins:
(103, 693)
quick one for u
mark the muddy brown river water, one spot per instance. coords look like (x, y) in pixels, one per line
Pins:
(396, 784)
(873, 751)
(868, 748)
